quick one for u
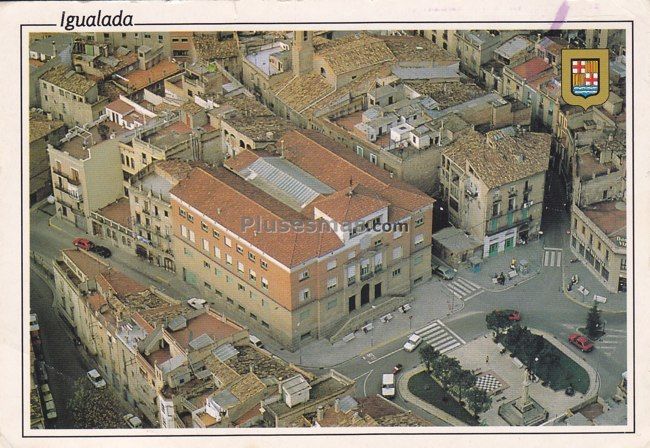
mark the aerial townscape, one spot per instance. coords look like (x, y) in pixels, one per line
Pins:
(293, 229)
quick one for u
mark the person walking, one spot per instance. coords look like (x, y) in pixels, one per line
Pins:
(487, 359)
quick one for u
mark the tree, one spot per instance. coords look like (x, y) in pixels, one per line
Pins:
(446, 369)
(594, 323)
(497, 320)
(427, 355)
(465, 381)
(477, 400)
(95, 408)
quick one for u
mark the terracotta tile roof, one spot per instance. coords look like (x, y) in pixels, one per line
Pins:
(311, 150)
(96, 301)
(244, 159)
(191, 108)
(416, 49)
(221, 190)
(247, 387)
(40, 126)
(139, 79)
(496, 158)
(87, 263)
(353, 52)
(610, 217)
(173, 168)
(66, 78)
(531, 69)
(351, 204)
(209, 47)
(120, 107)
(119, 282)
(119, 212)
(206, 323)
(447, 94)
(303, 90)
(223, 373)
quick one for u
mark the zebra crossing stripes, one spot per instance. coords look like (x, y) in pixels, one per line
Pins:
(463, 289)
(440, 337)
(552, 257)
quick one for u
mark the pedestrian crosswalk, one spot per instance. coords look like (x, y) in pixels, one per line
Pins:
(463, 289)
(440, 337)
(552, 257)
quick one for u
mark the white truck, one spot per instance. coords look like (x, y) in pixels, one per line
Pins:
(388, 385)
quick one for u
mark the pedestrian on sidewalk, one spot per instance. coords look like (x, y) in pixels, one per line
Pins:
(487, 359)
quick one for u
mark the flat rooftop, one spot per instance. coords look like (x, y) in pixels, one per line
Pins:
(261, 59)
(610, 217)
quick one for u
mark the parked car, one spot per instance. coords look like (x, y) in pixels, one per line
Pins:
(102, 251)
(50, 410)
(255, 341)
(195, 303)
(514, 316)
(581, 342)
(95, 378)
(413, 341)
(33, 323)
(133, 421)
(83, 243)
(445, 272)
(42, 371)
(388, 385)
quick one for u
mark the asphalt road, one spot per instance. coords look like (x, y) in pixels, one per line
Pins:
(64, 363)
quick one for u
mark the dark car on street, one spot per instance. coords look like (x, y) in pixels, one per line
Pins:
(102, 251)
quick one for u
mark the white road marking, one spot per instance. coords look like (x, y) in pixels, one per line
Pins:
(385, 356)
(365, 394)
(452, 332)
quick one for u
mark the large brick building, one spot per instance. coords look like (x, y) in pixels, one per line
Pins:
(289, 282)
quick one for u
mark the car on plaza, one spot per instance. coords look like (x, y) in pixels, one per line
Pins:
(196, 303)
(413, 341)
(83, 243)
(388, 385)
(102, 251)
(582, 342)
(133, 421)
(95, 378)
(443, 271)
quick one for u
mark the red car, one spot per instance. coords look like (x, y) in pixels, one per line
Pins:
(514, 316)
(83, 243)
(581, 342)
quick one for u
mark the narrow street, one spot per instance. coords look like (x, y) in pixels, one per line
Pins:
(64, 363)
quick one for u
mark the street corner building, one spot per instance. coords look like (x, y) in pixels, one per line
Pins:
(300, 285)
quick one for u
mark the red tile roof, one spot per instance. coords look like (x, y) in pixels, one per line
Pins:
(120, 107)
(351, 204)
(139, 79)
(532, 68)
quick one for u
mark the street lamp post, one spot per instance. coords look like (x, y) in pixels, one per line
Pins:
(299, 345)
(410, 322)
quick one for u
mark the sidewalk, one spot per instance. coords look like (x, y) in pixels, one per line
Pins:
(431, 301)
(616, 301)
(496, 264)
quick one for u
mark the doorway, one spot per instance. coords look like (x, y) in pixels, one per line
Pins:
(365, 294)
(378, 290)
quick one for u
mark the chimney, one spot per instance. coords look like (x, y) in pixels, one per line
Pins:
(337, 405)
(320, 413)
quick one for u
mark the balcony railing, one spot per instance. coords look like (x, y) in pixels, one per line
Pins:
(73, 180)
(351, 281)
(367, 275)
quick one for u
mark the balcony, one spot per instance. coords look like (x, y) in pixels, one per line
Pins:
(351, 281)
(72, 193)
(366, 275)
(72, 180)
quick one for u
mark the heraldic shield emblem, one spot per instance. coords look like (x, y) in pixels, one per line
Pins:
(585, 76)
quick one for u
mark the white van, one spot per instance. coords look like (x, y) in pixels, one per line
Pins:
(388, 385)
(255, 341)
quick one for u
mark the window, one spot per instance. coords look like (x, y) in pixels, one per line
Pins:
(373, 158)
(605, 273)
(304, 294)
(304, 275)
(265, 325)
(217, 272)
(240, 250)
(241, 308)
(331, 304)
(207, 285)
(241, 287)
(181, 212)
(190, 218)
(360, 151)
(206, 245)
(192, 236)
(204, 226)
(264, 264)
(397, 272)
(265, 283)
(351, 255)
(215, 234)
(496, 209)
(419, 221)
(512, 204)
(419, 239)
(624, 264)
(252, 275)
(331, 265)
(331, 283)
(253, 316)
(583, 229)
(184, 231)
(229, 300)
(206, 265)
(251, 256)
(228, 259)
(217, 252)
(606, 255)
(240, 266)
(228, 242)
(322, 72)
(397, 253)
(417, 259)
(397, 234)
